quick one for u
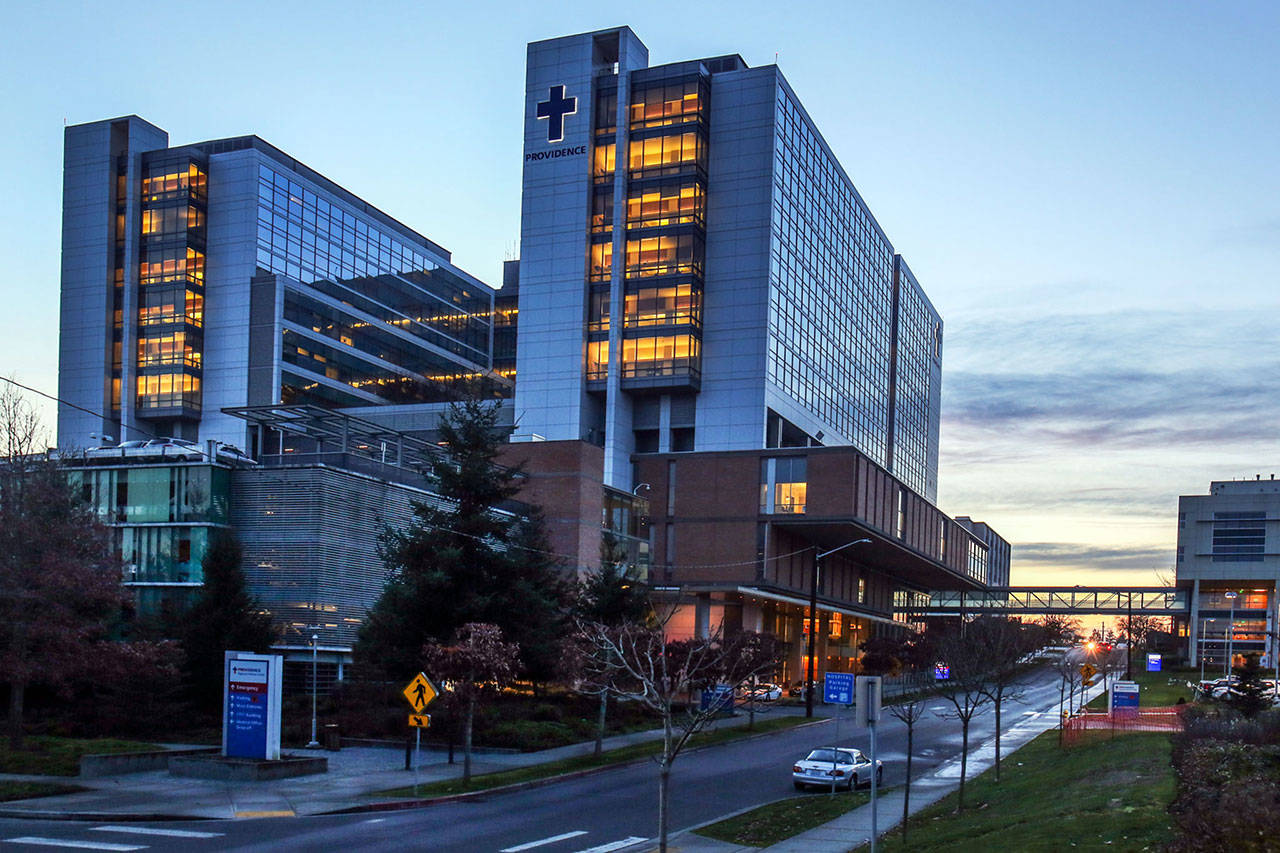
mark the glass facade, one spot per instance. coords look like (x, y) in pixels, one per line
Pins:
(665, 244)
(171, 280)
(916, 385)
(1239, 537)
(371, 310)
(831, 289)
(161, 516)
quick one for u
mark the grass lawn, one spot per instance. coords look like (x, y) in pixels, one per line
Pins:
(781, 820)
(1107, 794)
(27, 790)
(584, 762)
(60, 756)
(1155, 691)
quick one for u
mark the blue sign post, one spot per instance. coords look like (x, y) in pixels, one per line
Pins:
(1153, 663)
(1124, 699)
(837, 688)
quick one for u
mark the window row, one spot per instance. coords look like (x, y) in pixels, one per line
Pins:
(169, 391)
(176, 348)
(164, 306)
(662, 104)
(665, 355)
(176, 183)
(158, 221)
(677, 304)
(666, 155)
(182, 263)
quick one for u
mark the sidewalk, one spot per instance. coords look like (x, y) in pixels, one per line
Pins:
(853, 829)
(354, 774)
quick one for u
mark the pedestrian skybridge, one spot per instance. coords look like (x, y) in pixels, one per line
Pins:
(1052, 600)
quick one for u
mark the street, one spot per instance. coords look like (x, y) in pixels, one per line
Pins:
(595, 812)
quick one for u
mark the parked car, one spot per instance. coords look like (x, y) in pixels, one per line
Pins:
(797, 688)
(172, 448)
(123, 449)
(847, 768)
(763, 691)
(233, 454)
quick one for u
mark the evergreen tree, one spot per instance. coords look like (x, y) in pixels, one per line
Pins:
(223, 617)
(470, 558)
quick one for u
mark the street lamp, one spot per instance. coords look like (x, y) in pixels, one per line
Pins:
(315, 642)
(813, 617)
(1231, 632)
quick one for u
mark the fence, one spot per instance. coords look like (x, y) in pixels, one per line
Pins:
(1167, 719)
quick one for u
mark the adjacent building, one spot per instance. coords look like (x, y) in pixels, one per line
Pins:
(1229, 558)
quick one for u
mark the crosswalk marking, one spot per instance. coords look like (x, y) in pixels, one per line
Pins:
(169, 833)
(613, 845)
(80, 845)
(542, 841)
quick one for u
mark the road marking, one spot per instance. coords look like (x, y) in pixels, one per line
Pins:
(613, 845)
(168, 833)
(81, 845)
(282, 813)
(552, 840)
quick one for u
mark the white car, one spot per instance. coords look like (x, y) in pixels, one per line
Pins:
(231, 453)
(760, 692)
(172, 448)
(848, 768)
(121, 450)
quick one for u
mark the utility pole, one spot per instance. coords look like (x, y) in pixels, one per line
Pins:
(813, 620)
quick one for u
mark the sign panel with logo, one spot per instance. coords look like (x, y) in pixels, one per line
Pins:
(838, 688)
(1124, 698)
(251, 705)
(941, 672)
(1153, 663)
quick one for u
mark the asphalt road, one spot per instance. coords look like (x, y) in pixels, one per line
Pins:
(591, 813)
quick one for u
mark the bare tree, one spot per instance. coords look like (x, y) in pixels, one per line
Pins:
(1006, 643)
(59, 583)
(665, 675)
(966, 688)
(477, 663)
(1069, 675)
(909, 713)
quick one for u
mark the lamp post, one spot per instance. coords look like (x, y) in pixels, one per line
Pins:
(813, 618)
(1231, 633)
(315, 642)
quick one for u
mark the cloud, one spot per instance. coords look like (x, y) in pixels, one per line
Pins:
(1040, 555)
(1119, 380)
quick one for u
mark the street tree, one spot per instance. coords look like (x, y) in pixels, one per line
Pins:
(477, 663)
(59, 580)
(667, 677)
(909, 712)
(224, 617)
(1060, 630)
(965, 689)
(610, 596)
(468, 557)
(1006, 643)
(1068, 669)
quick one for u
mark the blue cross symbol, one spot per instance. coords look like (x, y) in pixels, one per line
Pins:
(554, 109)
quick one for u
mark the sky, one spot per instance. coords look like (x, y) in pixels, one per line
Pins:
(1088, 192)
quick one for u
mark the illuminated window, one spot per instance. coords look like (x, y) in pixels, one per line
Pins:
(168, 349)
(600, 265)
(664, 355)
(175, 183)
(666, 104)
(659, 306)
(665, 155)
(172, 264)
(602, 210)
(604, 161)
(666, 254)
(669, 205)
(783, 484)
(598, 360)
(169, 391)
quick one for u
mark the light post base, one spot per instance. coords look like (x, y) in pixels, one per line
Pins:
(315, 744)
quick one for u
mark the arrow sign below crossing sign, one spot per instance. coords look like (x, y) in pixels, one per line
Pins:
(420, 692)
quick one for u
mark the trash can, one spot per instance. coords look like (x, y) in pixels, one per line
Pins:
(332, 740)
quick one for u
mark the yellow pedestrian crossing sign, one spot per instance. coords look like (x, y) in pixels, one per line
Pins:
(420, 692)
(1088, 671)
(419, 721)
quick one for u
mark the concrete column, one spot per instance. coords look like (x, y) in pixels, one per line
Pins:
(1194, 634)
(702, 616)
(664, 424)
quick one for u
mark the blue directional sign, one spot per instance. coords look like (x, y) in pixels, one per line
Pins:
(1153, 663)
(838, 688)
(941, 671)
(1124, 699)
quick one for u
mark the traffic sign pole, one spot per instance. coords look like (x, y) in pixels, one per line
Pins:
(417, 757)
